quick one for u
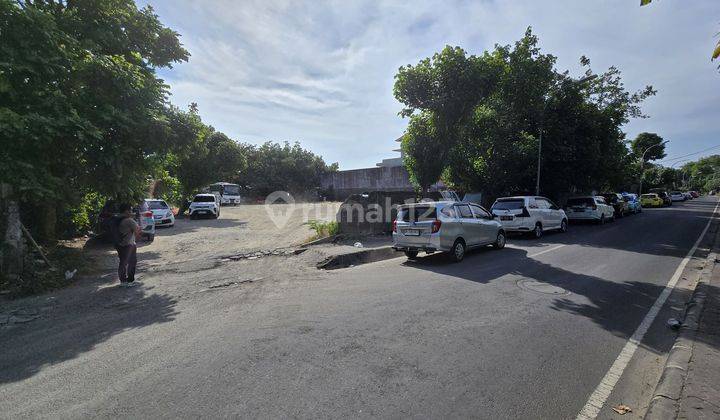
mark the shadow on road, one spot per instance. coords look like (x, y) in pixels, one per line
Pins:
(611, 303)
(90, 317)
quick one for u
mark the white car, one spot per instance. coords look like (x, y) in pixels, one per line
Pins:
(529, 214)
(162, 214)
(677, 196)
(205, 205)
(591, 208)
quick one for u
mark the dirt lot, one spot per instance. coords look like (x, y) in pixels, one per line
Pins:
(241, 229)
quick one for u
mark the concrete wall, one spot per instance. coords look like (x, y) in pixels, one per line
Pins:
(355, 181)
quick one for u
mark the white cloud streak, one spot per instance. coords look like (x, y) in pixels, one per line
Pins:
(322, 72)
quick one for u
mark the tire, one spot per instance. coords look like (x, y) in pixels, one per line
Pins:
(457, 253)
(500, 240)
(150, 238)
(537, 233)
(564, 226)
(193, 216)
(411, 255)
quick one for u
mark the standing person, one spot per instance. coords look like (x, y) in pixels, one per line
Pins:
(127, 230)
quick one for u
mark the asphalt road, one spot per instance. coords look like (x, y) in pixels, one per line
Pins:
(525, 332)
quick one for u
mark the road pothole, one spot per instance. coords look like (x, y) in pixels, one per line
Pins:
(540, 287)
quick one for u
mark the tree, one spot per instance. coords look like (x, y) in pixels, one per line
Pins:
(650, 144)
(81, 105)
(282, 167)
(424, 151)
(483, 132)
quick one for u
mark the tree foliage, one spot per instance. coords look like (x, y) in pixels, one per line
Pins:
(84, 116)
(649, 144)
(478, 120)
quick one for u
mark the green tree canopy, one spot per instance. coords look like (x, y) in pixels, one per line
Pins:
(650, 144)
(478, 120)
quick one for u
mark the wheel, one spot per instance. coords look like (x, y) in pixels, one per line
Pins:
(602, 219)
(500, 240)
(563, 226)
(150, 238)
(457, 253)
(411, 255)
(537, 233)
(192, 216)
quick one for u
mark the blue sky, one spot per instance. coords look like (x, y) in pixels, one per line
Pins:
(321, 72)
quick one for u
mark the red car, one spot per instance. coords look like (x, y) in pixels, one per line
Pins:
(694, 194)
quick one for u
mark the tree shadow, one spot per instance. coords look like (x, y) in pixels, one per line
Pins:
(88, 318)
(613, 305)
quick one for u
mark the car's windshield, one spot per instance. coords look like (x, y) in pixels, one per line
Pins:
(204, 199)
(157, 205)
(508, 204)
(417, 213)
(580, 202)
(232, 190)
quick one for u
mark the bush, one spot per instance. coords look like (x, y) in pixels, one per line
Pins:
(324, 229)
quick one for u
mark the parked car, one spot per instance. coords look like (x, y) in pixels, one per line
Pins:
(634, 204)
(687, 195)
(667, 201)
(677, 196)
(619, 204)
(445, 226)
(529, 214)
(162, 213)
(205, 205)
(143, 216)
(695, 194)
(651, 200)
(593, 208)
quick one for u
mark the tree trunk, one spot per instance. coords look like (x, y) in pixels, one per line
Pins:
(12, 252)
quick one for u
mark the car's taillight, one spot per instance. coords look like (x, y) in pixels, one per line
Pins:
(525, 213)
(394, 227)
(436, 226)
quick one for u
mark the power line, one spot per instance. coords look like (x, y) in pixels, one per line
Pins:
(689, 154)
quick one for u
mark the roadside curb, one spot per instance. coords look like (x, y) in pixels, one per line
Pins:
(363, 256)
(666, 398)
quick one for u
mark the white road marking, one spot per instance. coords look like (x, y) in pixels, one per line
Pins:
(607, 384)
(546, 251)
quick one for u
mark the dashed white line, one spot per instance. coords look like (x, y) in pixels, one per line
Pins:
(607, 384)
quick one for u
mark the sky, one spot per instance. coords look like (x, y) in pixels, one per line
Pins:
(321, 72)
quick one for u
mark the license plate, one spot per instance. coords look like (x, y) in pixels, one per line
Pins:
(412, 232)
(506, 217)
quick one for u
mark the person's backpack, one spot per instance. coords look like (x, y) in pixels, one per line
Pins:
(115, 234)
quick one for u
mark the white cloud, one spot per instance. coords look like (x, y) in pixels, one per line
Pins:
(322, 72)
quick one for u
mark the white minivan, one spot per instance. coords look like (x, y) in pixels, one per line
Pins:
(591, 208)
(529, 214)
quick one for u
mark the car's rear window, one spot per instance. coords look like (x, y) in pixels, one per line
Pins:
(649, 195)
(580, 202)
(509, 204)
(417, 213)
(204, 199)
(157, 205)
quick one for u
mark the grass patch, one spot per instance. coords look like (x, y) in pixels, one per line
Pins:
(323, 229)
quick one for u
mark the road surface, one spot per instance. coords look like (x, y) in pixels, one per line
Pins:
(526, 332)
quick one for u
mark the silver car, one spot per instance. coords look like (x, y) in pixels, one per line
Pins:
(445, 226)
